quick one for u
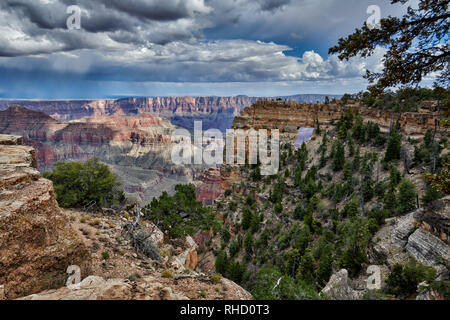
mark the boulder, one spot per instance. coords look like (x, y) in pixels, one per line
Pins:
(91, 288)
(428, 249)
(338, 288)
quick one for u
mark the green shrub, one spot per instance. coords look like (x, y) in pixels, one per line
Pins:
(403, 280)
(167, 274)
(77, 184)
(181, 214)
(105, 255)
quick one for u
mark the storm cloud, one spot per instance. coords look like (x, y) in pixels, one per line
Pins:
(140, 42)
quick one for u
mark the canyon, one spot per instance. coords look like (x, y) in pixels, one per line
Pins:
(39, 241)
(215, 112)
(137, 147)
(133, 135)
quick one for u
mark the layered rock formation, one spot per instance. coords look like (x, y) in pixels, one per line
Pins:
(402, 237)
(289, 116)
(338, 288)
(37, 243)
(210, 186)
(215, 112)
(138, 147)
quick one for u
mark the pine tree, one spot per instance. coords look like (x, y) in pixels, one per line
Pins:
(390, 202)
(246, 217)
(306, 269)
(358, 131)
(424, 27)
(221, 263)
(248, 242)
(339, 156)
(431, 194)
(367, 183)
(406, 196)
(394, 147)
(325, 266)
(351, 148)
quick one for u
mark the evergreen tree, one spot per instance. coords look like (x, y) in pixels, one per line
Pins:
(351, 208)
(431, 194)
(358, 131)
(424, 27)
(406, 196)
(248, 242)
(394, 176)
(221, 263)
(348, 171)
(325, 266)
(339, 156)
(367, 183)
(77, 184)
(306, 269)
(356, 160)
(246, 217)
(351, 148)
(394, 147)
(390, 202)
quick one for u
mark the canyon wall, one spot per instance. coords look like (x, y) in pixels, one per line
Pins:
(289, 116)
(37, 243)
(215, 112)
(137, 147)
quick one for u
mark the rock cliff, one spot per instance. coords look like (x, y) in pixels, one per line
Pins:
(215, 112)
(137, 147)
(289, 116)
(37, 243)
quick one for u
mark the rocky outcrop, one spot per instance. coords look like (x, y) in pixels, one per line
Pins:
(403, 237)
(145, 288)
(436, 223)
(338, 288)
(288, 117)
(209, 187)
(428, 249)
(37, 243)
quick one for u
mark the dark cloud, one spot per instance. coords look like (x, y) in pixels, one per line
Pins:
(271, 5)
(166, 10)
(128, 43)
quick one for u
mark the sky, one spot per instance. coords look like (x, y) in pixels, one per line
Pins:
(181, 47)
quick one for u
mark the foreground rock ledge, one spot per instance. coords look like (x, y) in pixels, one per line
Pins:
(37, 243)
